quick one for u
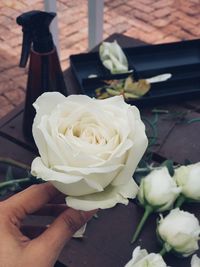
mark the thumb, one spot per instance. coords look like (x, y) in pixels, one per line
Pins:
(51, 242)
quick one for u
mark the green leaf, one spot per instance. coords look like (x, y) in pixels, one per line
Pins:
(9, 174)
(170, 166)
(193, 120)
(187, 162)
(112, 92)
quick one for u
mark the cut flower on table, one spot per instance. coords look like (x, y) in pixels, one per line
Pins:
(179, 232)
(195, 261)
(113, 57)
(89, 148)
(141, 258)
(188, 179)
(157, 192)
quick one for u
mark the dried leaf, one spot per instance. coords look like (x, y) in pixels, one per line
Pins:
(139, 88)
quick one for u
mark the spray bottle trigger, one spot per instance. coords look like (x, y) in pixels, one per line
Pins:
(26, 46)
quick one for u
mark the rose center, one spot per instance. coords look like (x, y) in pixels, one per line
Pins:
(89, 134)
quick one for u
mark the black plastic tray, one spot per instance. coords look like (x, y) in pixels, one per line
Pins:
(181, 59)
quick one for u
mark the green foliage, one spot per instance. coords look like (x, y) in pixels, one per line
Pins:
(170, 166)
(13, 185)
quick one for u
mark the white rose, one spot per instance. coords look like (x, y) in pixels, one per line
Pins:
(88, 148)
(113, 57)
(195, 262)
(180, 230)
(158, 190)
(188, 178)
(141, 258)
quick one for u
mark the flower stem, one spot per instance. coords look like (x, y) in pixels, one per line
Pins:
(147, 212)
(14, 163)
(148, 168)
(180, 201)
(165, 249)
(15, 181)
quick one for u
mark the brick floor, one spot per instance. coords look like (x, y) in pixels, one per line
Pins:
(152, 21)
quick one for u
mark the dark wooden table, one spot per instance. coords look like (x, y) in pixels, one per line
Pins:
(107, 239)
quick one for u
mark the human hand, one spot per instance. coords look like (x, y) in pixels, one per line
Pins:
(16, 249)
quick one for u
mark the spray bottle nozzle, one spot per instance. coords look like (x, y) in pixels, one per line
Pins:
(35, 26)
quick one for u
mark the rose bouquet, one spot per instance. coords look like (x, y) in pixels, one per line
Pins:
(163, 188)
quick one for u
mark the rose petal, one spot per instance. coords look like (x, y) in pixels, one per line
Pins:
(80, 232)
(106, 199)
(195, 261)
(46, 102)
(138, 148)
(86, 171)
(39, 170)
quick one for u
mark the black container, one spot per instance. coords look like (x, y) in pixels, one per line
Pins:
(181, 59)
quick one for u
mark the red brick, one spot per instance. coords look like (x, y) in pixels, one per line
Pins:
(195, 31)
(125, 8)
(15, 96)
(160, 22)
(147, 18)
(121, 27)
(15, 72)
(16, 5)
(147, 2)
(172, 29)
(6, 62)
(192, 10)
(5, 110)
(7, 86)
(186, 18)
(4, 77)
(116, 20)
(141, 25)
(163, 12)
(162, 3)
(146, 37)
(115, 3)
(183, 35)
(169, 39)
(4, 101)
(187, 26)
(110, 30)
(141, 6)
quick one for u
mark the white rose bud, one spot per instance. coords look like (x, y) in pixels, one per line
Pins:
(89, 148)
(113, 57)
(141, 258)
(158, 190)
(188, 178)
(195, 261)
(180, 231)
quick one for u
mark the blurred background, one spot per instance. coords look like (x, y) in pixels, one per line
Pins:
(152, 21)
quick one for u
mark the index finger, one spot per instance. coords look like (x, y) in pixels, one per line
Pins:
(32, 199)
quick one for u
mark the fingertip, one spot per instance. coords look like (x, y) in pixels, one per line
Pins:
(88, 214)
(62, 229)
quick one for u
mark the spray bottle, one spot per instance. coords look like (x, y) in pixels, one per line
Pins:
(45, 74)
